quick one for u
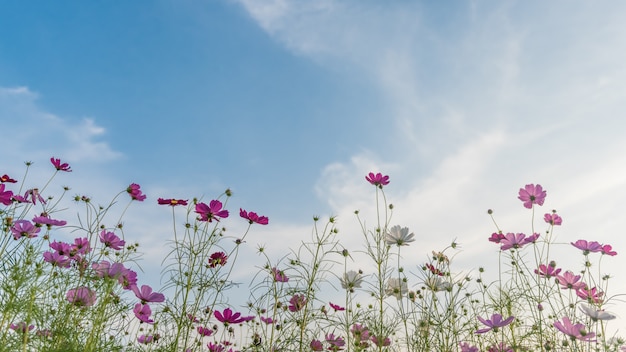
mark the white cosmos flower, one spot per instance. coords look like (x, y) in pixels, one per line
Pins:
(436, 284)
(396, 287)
(399, 236)
(595, 314)
(351, 279)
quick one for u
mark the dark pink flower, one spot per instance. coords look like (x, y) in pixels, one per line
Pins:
(377, 180)
(316, 345)
(547, 271)
(34, 196)
(145, 339)
(590, 295)
(608, 250)
(297, 302)
(496, 237)
(574, 331)
(494, 323)
(5, 178)
(46, 220)
(81, 296)
(267, 320)
(204, 331)
(211, 212)
(24, 228)
(146, 295)
(279, 275)
(587, 247)
(466, 347)
(553, 219)
(500, 347)
(21, 327)
(128, 279)
(172, 202)
(227, 317)
(381, 341)
(336, 307)
(109, 239)
(60, 166)
(570, 281)
(336, 343)
(135, 192)
(6, 197)
(532, 194)
(143, 312)
(56, 259)
(217, 258)
(81, 246)
(516, 241)
(252, 217)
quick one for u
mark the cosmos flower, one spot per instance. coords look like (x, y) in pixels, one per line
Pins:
(574, 331)
(532, 194)
(60, 166)
(253, 217)
(494, 323)
(351, 280)
(399, 236)
(595, 314)
(377, 180)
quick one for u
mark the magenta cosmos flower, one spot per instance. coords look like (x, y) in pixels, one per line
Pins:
(336, 307)
(24, 228)
(135, 192)
(297, 302)
(279, 275)
(145, 339)
(211, 212)
(494, 323)
(6, 178)
(587, 247)
(378, 179)
(6, 197)
(553, 219)
(46, 220)
(21, 327)
(574, 331)
(143, 312)
(548, 271)
(532, 194)
(109, 239)
(146, 295)
(60, 166)
(570, 281)
(516, 241)
(608, 250)
(228, 317)
(217, 258)
(172, 202)
(253, 217)
(81, 296)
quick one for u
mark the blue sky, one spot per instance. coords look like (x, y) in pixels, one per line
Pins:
(291, 103)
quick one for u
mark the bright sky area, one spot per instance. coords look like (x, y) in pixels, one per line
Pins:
(291, 103)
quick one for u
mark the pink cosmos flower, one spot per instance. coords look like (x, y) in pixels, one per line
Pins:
(128, 279)
(496, 237)
(217, 258)
(143, 312)
(590, 295)
(253, 217)
(108, 270)
(21, 327)
(466, 347)
(145, 339)
(532, 194)
(336, 343)
(574, 331)
(297, 302)
(608, 250)
(62, 248)
(267, 320)
(494, 323)
(553, 219)
(24, 228)
(501, 347)
(570, 281)
(227, 317)
(34, 196)
(109, 239)
(316, 345)
(135, 192)
(172, 202)
(60, 166)
(146, 295)
(381, 341)
(81, 296)
(211, 212)
(81, 245)
(46, 220)
(204, 331)
(56, 259)
(516, 241)
(547, 271)
(6, 179)
(279, 275)
(377, 180)
(336, 307)
(587, 247)
(360, 332)
(6, 197)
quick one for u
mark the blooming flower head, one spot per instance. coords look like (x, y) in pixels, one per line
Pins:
(81, 245)
(336, 343)
(21, 327)
(34, 196)
(587, 247)
(396, 287)
(143, 312)
(532, 194)
(172, 202)
(145, 339)
(267, 320)
(361, 333)
(590, 295)
(6, 197)
(46, 220)
(608, 250)
(494, 323)
(253, 217)
(204, 331)
(381, 341)
(135, 192)
(297, 302)
(466, 347)
(109, 239)
(60, 166)
(595, 314)
(377, 180)
(5, 178)
(227, 317)
(399, 236)
(436, 284)
(516, 240)
(279, 275)
(211, 212)
(496, 237)
(570, 281)
(548, 271)
(574, 331)
(146, 295)
(56, 259)
(316, 345)
(336, 307)
(81, 296)
(553, 219)
(500, 347)
(351, 280)
(24, 228)
(217, 258)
